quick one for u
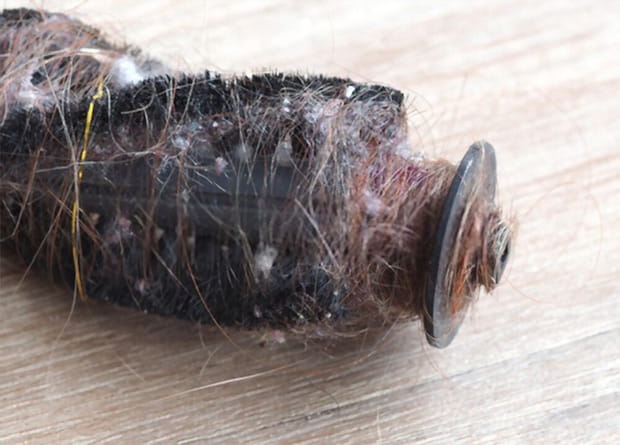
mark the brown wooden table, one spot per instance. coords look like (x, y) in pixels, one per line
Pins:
(537, 361)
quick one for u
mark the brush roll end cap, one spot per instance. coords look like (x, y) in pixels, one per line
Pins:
(475, 179)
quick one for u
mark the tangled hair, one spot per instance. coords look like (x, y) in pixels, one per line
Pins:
(49, 58)
(273, 200)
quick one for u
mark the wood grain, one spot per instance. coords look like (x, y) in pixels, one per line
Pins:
(537, 361)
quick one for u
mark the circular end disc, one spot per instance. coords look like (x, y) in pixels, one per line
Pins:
(475, 178)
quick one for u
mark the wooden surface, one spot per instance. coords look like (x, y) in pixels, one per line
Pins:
(537, 361)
